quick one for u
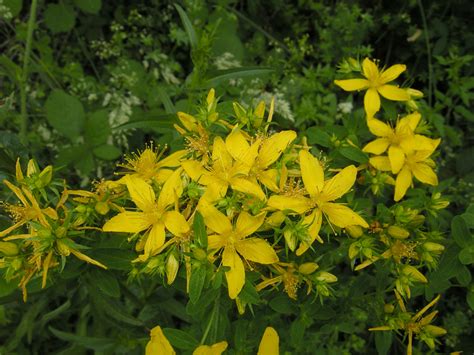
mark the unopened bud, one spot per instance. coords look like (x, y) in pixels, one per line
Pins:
(434, 330)
(398, 232)
(102, 208)
(433, 247)
(414, 274)
(172, 266)
(9, 249)
(61, 232)
(46, 175)
(200, 254)
(326, 277)
(63, 249)
(308, 268)
(354, 231)
(388, 308)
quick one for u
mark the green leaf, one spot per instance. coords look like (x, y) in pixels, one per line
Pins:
(354, 154)
(188, 26)
(6, 287)
(13, 7)
(65, 113)
(383, 342)
(282, 304)
(89, 6)
(181, 339)
(106, 282)
(115, 310)
(55, 312)
(464, 276)
(107, 152)
(59, 17)
(235, 73)
(466, 256)
(165, 99)
(97, 129)
(93, 343)
(159, 122)
(113, 258)
(318, 136)
(196, 284)
(200, 230)
(460, 232)
(470, 297)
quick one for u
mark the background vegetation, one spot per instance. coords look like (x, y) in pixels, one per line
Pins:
(84, 81)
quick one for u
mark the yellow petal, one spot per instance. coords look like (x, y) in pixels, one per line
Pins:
(311, 172)
(379, 128)
(402, 183)
(269, 179)
(257, 250)
(17, 192)
(173, 160)
(377, 146)
(188, 121)
(194, 169)
(155, 239)
(342, 216)
(370, 70)
(216, 241)
(158, 344)
(87, 259)
(247, 159)
(220, 155)
(236, 275)
(172, 189)
(18, 172)
(352, 84)
(339, 184)
(127, 222)
(247, 224)
(236, 144)
(214, 219)
(423, 143)
(269, 345)
(392, 73)
(397, 158)
(393, 93)
(411, 121)
(380, 163)
(314, 221)
(175, 223)
(216, 349)
(247, 187)
(141, 193)
(273, 147)
(298, 204)
(371, 102)
(216, 188)
(425, 174)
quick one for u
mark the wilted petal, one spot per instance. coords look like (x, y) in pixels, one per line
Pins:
(393, 93)
(311, 172)
(402, 183)
(298, 204)
(175, 223)
(127, 222)
(236, 275)
(214, 219)
(425, 174)
(342, 216)
(247, 224)
(339, 184)
(269, 345)
(396, 157)
(141, 193)
(377, 146)
(158, 343)
(392, 73)
(371, 102)
(352, 84)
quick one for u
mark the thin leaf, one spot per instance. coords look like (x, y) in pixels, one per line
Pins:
(235, 73)
(93, 343)
(188, 26)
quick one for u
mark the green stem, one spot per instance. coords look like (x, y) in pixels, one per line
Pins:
(428, 51)
(24, 76)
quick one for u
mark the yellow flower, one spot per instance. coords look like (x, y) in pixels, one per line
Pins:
(154, 216)
(233, 239)
(159, 345)
(376, 83)
(399, 140)
(321, 194)
(270, 150)
(225, 172)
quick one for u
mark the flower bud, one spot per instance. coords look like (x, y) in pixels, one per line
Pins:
(398, 232)
(46, 175)
(326, 277)
(172, 266)
(9, 249)
(354, 231)
(388, 308)
(62, 248)
(433, 247)
(414, 274)
(102, 208)
(308, 268)
(200, 254)
(433, 330)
